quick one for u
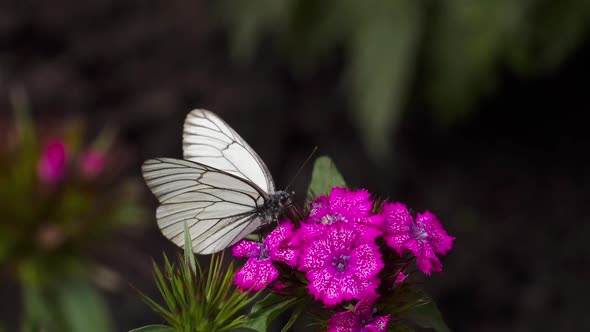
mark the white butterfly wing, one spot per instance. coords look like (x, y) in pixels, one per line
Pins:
(209, 140)
(219, 208)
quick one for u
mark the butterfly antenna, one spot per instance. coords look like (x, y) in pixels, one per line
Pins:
(301, 168)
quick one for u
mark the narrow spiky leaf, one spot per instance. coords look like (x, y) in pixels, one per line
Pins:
(294, 317)
(189, 256)
(199, 299)
(267, 310)
(154, 328)
(168, 316)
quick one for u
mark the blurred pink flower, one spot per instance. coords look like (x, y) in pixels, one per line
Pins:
(92, 163)
(51, 236)
(52, 162)
(424, 237)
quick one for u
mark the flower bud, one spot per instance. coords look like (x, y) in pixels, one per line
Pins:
(92, 163)
(52, 162)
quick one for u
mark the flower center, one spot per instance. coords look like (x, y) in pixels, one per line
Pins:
(263, 253)
(315, 207)
(341, 262)
(364, 324)
(369, 320)
(418, 232)
(329, 219)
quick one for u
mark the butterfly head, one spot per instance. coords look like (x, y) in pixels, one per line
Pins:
(279, 201)
(284, 198)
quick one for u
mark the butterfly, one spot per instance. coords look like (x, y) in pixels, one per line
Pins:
(221, 189)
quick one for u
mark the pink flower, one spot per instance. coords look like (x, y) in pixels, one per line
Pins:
(424, 236)
(92, 163)
(359, 319)
(342, 264)
(52, 162)
(259, 271)
(341, 206)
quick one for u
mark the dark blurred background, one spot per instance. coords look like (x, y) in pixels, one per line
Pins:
(473, 110)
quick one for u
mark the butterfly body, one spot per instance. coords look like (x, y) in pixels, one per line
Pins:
(274, 206)
(221, 189)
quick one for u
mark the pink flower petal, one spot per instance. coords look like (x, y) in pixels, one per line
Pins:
(359, 319)
(319, 282)
(278, 235)
(318, 209)
(440, 241)
(379, 324)
(424, 237)
(315, 255)
(344, 322)
(285, 255)
(358, 201)
(341, 265)
(255, 274)
(352, 286)
(246, 248)
(341, 238)
(398, 218)
(366, 260)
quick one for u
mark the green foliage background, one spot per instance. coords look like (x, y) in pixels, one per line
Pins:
(57, 276)
(456, 48)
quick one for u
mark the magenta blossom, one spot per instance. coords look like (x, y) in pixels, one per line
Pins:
(259, 271)
(342, 264)
(341, 206)
(359, 319)
(424, 236)
(52, 162)
(92, 163)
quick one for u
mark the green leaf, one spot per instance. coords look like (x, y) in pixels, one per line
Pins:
(22, 115)
(250, 19)
(126, 214)
(264, 312)
(73, 305)
(383, 47)
(294, 317)
(154, 328)
(83, 308)
(469, 40)
(189, 256)
(399, 327)
(38, 311)
(325, 176)
(427, 314)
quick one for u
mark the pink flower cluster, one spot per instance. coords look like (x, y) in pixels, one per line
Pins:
(337, 249)
(53, 163)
